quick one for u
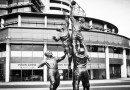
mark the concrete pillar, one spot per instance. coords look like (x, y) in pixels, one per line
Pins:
(2, 23)
(45, 20)
(45, 67)
(105, 27)
(19, 20)
(7, 64)
(123, 66)
(107, 62)
(113, 30)
(91, 24)
(91, 71)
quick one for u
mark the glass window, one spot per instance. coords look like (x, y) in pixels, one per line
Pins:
(30, 47)
(65, 10)
(88, 47)
(27, 47)
(37, 47)
(115, 50)
(10, 1)
(118, 50)
(16, 60)
(55, 8)
(15, 75)
(15, 1)
(94, 48)
(127, 51)
(2, 47)
(26, 74)
(101, 49)
(55, 1)
(16, 47)
(60, 48)
(65, 3)
(99, 74)
(52, 47)
(3, 2)
(21, 0)
(37, 75)
(111, 50)
(67, 75)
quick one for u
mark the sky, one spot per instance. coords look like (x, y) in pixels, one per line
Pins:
(116, 12)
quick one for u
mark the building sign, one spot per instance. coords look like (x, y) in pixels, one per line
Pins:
(24, 66)
(96, 66)
(60, 66)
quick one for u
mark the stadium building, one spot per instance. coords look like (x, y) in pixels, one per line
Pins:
(26, 30)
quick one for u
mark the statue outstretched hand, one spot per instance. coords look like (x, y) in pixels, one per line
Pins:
(54, 38)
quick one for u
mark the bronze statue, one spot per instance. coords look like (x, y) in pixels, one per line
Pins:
(75, 48)
(77, 27)
(80, 52)
(80, 72)
(65, 37)
(52, 64)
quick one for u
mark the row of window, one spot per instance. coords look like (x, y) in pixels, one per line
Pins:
(16, 1)
(37, 75)
(36, 47)
(91, 48)
(57, 8)
(59, 2)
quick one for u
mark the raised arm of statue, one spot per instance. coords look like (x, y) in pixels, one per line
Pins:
(41, 64)
(72, 14)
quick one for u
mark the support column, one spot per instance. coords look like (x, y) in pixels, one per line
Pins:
(7, 64)
(91, 71)
(107, 62)
(45, 20)
(123, 66)
(45, 67)
(105, 27)
(90, 24)
(113, 30)
(2, 23)
(19, 20)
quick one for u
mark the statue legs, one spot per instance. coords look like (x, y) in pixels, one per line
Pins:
(54, 79)
(80, 74)
(85, 80)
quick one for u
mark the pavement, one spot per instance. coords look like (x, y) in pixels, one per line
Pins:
(41, 84)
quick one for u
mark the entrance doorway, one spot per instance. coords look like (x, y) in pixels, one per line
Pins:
(115, 71)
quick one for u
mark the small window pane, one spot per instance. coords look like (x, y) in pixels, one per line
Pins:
(37, 47)
(26, 47)
(52, 47)
(16, 47)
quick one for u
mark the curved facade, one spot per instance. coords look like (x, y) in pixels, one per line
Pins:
(25, 36)
(56, 6)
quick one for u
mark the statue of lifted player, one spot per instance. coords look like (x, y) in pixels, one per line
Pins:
(52, 64)
(65, 37)
(77, 27)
